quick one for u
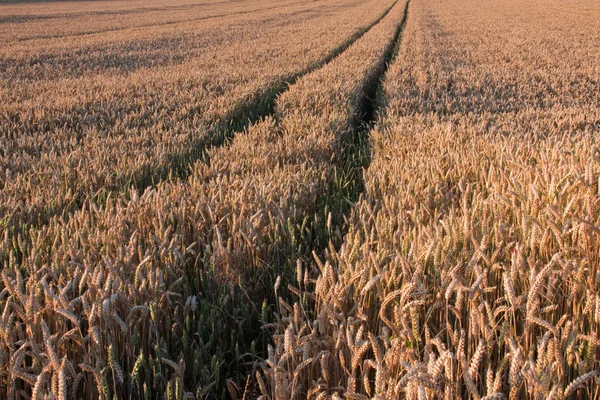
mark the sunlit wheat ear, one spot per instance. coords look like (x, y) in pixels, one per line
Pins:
(480, 174)
(579, 382)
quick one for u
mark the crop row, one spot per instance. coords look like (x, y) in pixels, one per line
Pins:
(164, 292)
(471, 264)
(84, 139)
(71, 24)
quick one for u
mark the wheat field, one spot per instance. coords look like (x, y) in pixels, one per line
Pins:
(276, 199)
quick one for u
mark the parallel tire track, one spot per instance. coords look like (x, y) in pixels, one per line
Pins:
(356, 152)
(188, 272)
(343, 194)
(257, 106)
(247, 112)
(354, 157)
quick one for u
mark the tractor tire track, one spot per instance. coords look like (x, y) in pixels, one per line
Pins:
(258, 106)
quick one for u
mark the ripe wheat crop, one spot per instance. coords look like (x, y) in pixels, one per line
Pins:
(471, 264)
(136, 112)
(300, 200)
(169, 283)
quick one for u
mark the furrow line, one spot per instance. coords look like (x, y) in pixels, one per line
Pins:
(358, 152)
(259, 107)
(177, 165)
(343, 195)
(199, 256)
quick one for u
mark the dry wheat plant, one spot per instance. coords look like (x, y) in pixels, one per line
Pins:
(378, 199)
(471, 264)
(133, 112)
(161, 293)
